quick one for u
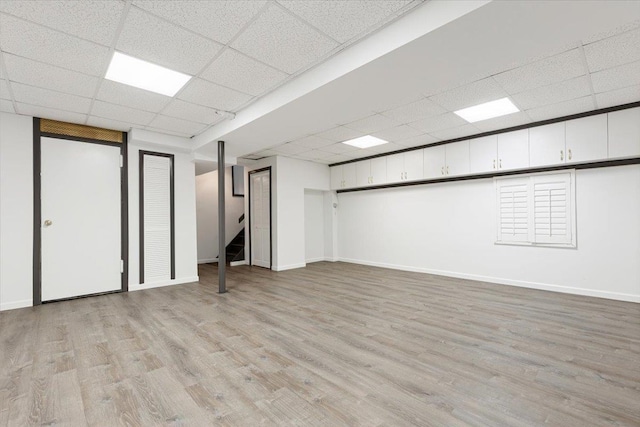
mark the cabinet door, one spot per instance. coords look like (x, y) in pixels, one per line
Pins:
(586, 139)
(336, 177)
(546, 145)
(363, 173)
(413, 165)
(395, 168)
(457, 156)
(483, 154)
(434, 160)
(349, 175)
(379, 171)
(624, 133)
(513, 150)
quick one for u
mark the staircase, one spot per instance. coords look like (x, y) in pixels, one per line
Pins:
(235, 249)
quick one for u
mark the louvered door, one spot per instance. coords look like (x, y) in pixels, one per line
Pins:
(513, 210)
(551, 196)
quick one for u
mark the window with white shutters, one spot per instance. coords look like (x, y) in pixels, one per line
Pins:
(536, 209)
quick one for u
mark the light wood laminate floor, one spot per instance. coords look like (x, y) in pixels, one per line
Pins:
(332, 344)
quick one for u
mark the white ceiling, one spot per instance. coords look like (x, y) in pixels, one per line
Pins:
(550, 58)
(54, 54)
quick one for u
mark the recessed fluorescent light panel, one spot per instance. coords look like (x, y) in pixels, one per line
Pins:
(488, 110)
(145, 75)
(365, 141)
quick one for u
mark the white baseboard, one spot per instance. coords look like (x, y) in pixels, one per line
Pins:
(152, 285)
(319, 259)
(16, 304)
(502, 281)
(207, 260)
(235, 263)
(289, 267)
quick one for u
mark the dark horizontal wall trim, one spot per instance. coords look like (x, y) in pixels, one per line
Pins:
(496, 132)
(81, 139)
(602, 164)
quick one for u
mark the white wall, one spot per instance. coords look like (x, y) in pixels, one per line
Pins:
(207, 214)
(16, 211)
(185, 217)
(314, 236)
(289, 179)
(449, 229)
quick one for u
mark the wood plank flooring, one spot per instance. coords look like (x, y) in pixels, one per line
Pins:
(332, 344)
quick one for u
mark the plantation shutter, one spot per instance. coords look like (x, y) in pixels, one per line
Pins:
(513, 210)
(552, 208)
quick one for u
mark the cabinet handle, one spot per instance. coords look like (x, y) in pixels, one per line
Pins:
(561, 154)
(447, 169)
(494, 163)
(442, 170)
(569, 152)
(405, 175)
(500, 164)
(401, 175)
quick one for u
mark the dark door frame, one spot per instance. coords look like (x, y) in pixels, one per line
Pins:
(37, 209)
(268, 168)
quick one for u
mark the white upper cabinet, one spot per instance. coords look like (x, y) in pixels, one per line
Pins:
(343, 176)
(513, 150)
(586, 139)
(457, 155)
(546, 145)
(406, 166)
(624, 133)
(371, 172)
(483, 154)
(395, 168)
(434, 162)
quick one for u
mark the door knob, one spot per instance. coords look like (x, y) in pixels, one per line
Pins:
(48, 222)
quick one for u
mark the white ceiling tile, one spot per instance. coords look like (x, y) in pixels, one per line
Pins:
(555, 69)
(282, 41)
(618, 97)
(416, 141)
(168, 132)
(121, 113)
(436, 123)
(335, 159)
(397, 133)
(373, 123)
(177, 125)
(290, 149)
(108, 124)
(552, 94)
(51, 99)
(33, 73)
(192, 112)
(339, 134)
(50, 113)
(6, 106)
(219, 20)
(147, 37)
(339, 148)
(613, 51)
(237, 71)
(42, 44)
(129, 96)
(510, 120)
(209, 94)
(343, 20)
(415, 111)
(457, 132)
(266, 153)
(312, 142)
(386, 148)
(4, 90)
(478, 92)
(616, 78)
(319, 154)
(94, 20)
(613, 32)
(561, 109)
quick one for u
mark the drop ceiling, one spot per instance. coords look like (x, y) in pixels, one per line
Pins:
(289, 70)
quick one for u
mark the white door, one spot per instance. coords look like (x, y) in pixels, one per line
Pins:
(395, 168)
(483, 153)
(363, 173)
(349, 175)
(260, 219)
(379, 170)
(586, 138)
(513, 150)
(413, 165)
(80, 202)
(624, 133)
(546, 145)
(434, 160)
(457, 156)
